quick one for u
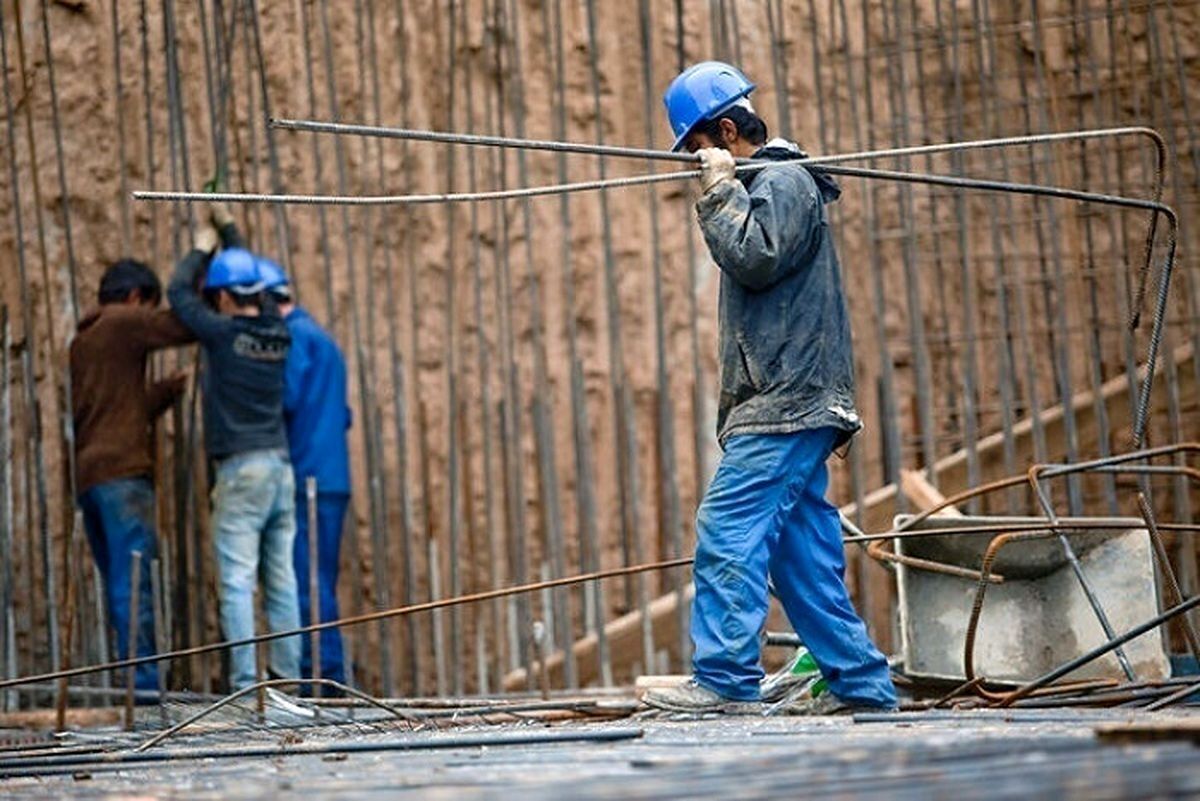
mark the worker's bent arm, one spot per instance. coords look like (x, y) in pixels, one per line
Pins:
(187, 304)
(760, 237)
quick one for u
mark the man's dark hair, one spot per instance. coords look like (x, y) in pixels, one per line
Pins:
(749, 125)
(129, 275)
(240, 299)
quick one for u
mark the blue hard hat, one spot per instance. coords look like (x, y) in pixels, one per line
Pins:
(700, 93)
(234, 269)
(271, 274)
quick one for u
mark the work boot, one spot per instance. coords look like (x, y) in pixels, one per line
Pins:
(691, 697)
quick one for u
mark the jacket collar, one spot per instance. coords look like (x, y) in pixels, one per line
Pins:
(779, 149)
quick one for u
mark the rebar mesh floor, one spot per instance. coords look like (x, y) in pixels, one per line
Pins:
(980, 754)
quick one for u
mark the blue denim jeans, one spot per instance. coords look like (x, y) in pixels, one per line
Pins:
(765, 512)
(254, 527)
(331, 513)
(118, 517)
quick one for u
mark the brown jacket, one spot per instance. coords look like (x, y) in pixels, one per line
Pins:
(113, 405)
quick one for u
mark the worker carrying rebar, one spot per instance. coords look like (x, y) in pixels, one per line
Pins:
(244, 349)
(786, 403)
(114, 409)
(317, 417)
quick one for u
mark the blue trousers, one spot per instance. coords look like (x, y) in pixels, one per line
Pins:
(331, 513)
(765, 512)
(118, 517)
(253, 528)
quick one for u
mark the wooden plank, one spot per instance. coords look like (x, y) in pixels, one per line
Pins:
(1144, 731)
(924, 495)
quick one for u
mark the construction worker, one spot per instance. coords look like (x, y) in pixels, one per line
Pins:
(786, 403)
(114, 409)
(245, 346)
(317, 418)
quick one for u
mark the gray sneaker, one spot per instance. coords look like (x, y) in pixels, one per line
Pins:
(691, 697)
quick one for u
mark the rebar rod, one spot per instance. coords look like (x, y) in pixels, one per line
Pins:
(46, 546)
(491, 662)
(282, 226)
(586, 510)
(542, 400)
(404, 406)
(317, 682)
(618, 151)
(1100, 651)
(518, 616)
(450, 347)
(1172, 594)
(1085, 583)
(8, 622)
(897, 86)
(367, 617)
(114, 760)
(669, 517)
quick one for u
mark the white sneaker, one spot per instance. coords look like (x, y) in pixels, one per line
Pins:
(691, 697)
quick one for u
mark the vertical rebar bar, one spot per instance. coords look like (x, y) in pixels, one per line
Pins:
(511, 402)
(131, 651)
(314, 580)
(365, 394)
(624, 428)
(282, 226)
(373, 424)
(395, 366)
(8, 643)
(453, 453)
(897, 82)
(483, 360)
(56, 126)
(159, 616)
(118, 98)
(148, 111)
(401, 404)
(541, 407)
(49, 579)
(669, 514)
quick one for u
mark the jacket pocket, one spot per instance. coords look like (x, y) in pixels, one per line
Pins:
(749, 366)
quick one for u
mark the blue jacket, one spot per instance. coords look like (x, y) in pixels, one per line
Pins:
(786, 359)
(314, 406)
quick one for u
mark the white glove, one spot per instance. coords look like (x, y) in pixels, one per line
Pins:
(220, 214)
(206, 239)
(716, 165)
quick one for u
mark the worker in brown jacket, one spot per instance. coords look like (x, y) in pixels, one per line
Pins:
(114, 408)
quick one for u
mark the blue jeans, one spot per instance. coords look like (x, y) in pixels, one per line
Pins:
(118, 517)
(254, 525)
(765, 512)
(331, 512)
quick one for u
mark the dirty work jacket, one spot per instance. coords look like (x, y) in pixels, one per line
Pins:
(786, 361)
(314, 406)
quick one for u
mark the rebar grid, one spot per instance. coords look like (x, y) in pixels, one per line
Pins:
(467, 432)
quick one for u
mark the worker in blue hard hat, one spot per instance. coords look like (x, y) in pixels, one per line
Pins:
(317, 418)
(786, 403)
(244, 349)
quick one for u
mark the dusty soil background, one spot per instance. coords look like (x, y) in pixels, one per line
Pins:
(458, 320)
